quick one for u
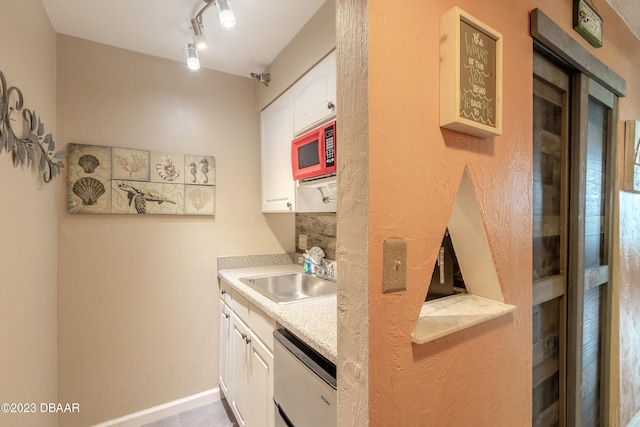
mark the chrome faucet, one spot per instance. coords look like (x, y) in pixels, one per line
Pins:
(319, 265)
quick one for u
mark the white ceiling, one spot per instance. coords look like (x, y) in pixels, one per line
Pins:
(162, 27)
(629, 10)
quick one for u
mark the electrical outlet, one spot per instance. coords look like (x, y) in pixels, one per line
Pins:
(302, 242)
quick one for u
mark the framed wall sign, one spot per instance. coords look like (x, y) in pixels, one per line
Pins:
(632, 156)
(470, 75)
(587, 22)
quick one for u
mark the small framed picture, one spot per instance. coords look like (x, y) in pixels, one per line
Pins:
(470, 75)
(587, 22)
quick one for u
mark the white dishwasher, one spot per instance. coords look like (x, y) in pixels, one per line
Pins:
(304, 384)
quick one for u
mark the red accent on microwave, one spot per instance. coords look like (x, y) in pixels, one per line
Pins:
(314, 154)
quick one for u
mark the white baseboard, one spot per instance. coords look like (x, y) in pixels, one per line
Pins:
(635, 421)
(164, 410)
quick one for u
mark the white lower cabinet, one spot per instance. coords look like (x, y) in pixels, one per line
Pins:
(225, 336)
(247, 362)
(241, 371)
(261, 390)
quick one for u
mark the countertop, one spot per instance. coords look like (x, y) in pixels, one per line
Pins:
(313, 321)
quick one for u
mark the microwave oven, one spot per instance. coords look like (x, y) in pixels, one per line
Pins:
(313, 155)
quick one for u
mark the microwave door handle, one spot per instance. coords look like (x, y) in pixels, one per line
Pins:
(286, 419)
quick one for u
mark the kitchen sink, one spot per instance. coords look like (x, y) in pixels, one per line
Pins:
(290, 287)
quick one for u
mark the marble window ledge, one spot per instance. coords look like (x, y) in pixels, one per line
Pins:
(445, 316)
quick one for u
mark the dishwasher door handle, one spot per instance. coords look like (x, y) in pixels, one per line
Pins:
(286, 419)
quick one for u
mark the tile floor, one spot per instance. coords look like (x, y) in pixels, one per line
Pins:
(217, 414)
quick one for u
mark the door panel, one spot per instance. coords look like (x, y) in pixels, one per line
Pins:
(550, 189)
(589, 290)
(596, 272)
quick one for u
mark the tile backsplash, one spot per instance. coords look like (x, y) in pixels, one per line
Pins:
(320, 229)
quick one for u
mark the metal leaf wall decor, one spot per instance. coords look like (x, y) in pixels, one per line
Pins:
(30, 144)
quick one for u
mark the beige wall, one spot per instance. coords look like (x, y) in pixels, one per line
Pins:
(138, 302)
(28, 358)
(414, 168)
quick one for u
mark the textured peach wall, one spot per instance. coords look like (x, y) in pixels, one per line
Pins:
(482, 373)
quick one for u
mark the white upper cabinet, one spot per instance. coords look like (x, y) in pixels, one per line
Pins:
(276, 134)
(307, 104)
(314, 95)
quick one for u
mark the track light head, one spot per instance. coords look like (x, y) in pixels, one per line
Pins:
(227, 19)
(199, 39)
(193, 61)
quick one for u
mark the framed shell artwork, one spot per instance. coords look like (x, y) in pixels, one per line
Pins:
(113, 180)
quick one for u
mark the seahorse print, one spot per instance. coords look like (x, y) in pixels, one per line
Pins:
(194, 171)
(205, 170)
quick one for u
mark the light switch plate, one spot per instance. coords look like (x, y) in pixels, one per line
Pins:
(394, 265)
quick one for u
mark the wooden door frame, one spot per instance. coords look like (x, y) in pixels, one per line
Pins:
(593, 78)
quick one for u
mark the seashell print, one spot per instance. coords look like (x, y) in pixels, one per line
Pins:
(88, 189)
(88, 162)
(166, 169)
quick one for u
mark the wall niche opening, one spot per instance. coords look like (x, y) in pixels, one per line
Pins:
(446, 309)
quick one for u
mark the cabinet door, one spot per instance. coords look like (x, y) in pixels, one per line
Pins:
(225, 337)
(276, 134)
(314, 95)
(261, 390)
(240, 369)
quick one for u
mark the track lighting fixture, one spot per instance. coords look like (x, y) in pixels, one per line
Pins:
(227, 19)
(193, 61)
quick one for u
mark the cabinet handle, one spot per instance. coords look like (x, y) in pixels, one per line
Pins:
(223, 292)
(246, 338)
(331, 105)
(226, 316)
(289, 205)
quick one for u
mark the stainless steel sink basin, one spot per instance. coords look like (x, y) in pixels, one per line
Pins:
(290, 287)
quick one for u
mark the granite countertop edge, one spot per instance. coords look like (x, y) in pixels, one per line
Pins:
(313, 321)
